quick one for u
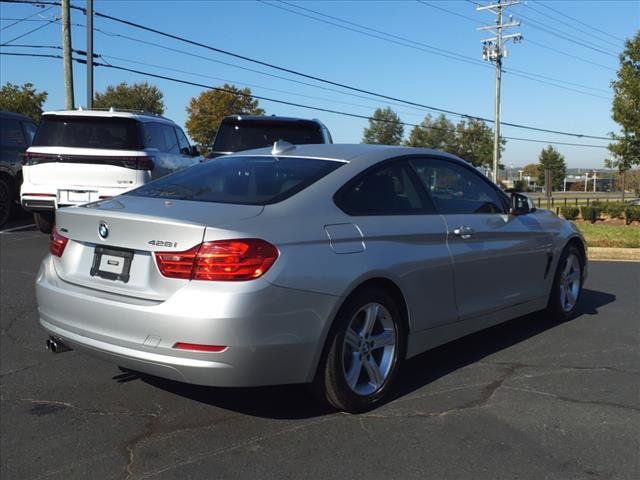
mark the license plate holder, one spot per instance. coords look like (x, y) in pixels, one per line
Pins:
(78, 196)
(111, 263)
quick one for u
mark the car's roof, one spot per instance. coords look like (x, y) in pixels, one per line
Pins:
(348, 152)
(268, 118)
(111, 113)
(16, 116)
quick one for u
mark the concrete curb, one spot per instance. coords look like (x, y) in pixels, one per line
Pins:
(614, 254)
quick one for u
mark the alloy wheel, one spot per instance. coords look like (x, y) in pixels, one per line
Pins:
(570, 282)
(370, 349)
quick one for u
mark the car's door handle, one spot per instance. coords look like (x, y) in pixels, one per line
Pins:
(463, 232)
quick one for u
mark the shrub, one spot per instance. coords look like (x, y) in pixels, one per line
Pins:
(614, 209)
(632, 214)
(590, 213)
(570, 213)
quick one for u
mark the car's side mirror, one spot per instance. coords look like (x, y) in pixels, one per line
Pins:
(521, 204)
(193, 151)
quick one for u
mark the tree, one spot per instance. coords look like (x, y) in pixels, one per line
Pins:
(626, 110)
(439, 134)
(551, 159)
(211, 106)
(385, 128)
(474, 142)
(22, 99)
(139, 96)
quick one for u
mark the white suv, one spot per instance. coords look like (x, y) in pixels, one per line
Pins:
(81, 156)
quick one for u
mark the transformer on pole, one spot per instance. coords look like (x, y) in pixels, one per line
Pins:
(493, 50)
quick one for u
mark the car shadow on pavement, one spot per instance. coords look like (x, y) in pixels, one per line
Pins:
(296, 401)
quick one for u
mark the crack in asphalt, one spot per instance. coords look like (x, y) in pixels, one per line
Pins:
(64, 405)
(574, 400)
(565, 368)
(237, 446)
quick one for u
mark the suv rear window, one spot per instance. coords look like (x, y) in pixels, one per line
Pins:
(240, 180)
(247, 134)
(88, 132)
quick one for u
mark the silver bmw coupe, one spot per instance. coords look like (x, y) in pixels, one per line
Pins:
(323, 264)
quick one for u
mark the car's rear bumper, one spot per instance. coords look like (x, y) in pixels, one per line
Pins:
(38, 198)
(272, 335)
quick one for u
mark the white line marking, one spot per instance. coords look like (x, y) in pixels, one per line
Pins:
(17, 228)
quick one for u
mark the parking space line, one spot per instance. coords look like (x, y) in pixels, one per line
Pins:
(15, 229)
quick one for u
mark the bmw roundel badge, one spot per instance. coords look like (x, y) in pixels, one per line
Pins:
(103, 230)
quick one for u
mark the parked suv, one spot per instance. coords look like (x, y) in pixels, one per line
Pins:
(16, 134)
(82, 156)
(244, 132)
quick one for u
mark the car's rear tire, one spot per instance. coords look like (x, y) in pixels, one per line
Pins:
(44, 221)
(567, 284)
(364, 350)
(6, 201)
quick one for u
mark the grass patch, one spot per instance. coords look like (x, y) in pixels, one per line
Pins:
(603, 235)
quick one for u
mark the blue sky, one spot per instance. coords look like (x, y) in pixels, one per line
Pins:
(264, 32)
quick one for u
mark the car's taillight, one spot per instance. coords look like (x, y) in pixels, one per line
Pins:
(146, 163)
(223, 260)
(57, 243)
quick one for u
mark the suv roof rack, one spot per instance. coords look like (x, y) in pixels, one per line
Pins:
(114, 109)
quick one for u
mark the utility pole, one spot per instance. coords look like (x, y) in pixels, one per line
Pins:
(66, 54)
(90, 54)
(493, 51)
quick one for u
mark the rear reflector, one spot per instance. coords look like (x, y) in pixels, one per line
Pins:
(223, 260)
(199, 348)
(38, 194)
(57, 243)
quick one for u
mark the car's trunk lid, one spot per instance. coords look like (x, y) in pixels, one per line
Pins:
(104, 237)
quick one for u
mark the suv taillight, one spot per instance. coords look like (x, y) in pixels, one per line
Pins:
(223, 260)
(146, 163)
(57, 243)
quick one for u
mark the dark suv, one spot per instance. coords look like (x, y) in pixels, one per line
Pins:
(16, 134)
(244, 132)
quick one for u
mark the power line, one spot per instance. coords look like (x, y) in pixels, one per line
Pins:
(316, 78)
(27, 18)
(567, 24)
(551, 31)
(529, 41)
(29, 32)
(579, 21)
(406, 42)
(279, 101)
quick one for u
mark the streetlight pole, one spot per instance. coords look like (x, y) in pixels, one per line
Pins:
(89, 54)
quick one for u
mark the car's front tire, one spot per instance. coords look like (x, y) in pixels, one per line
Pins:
(364, 351)
(44, 221)
(567, 284)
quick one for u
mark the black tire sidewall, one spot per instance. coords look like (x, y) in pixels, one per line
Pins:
(7, 202)
(337, 390)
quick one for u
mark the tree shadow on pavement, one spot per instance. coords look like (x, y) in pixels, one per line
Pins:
(296, 402)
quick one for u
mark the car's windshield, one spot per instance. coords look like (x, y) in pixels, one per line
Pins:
(240, 180)
(88, 132)
(244, 135)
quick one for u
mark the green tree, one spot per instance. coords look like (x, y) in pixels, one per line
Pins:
(139, 96)
(626, 110)
(22, 99)
(474, 142)
(206, 111)
(439, 134)
(551, 159)
(385, 128)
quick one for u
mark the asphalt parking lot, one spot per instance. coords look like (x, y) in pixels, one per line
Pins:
(528, 399)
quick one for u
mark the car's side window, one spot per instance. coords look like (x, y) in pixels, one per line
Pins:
(30, 130)
(12, 136)
(456, 189)
(171, 139)
(153, 136)
(183, 142)
(388, 190)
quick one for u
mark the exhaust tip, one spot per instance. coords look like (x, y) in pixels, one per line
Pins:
(55, 345)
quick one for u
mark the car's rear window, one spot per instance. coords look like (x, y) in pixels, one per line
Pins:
(88, 132)
(240, 180)
(244, 135)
